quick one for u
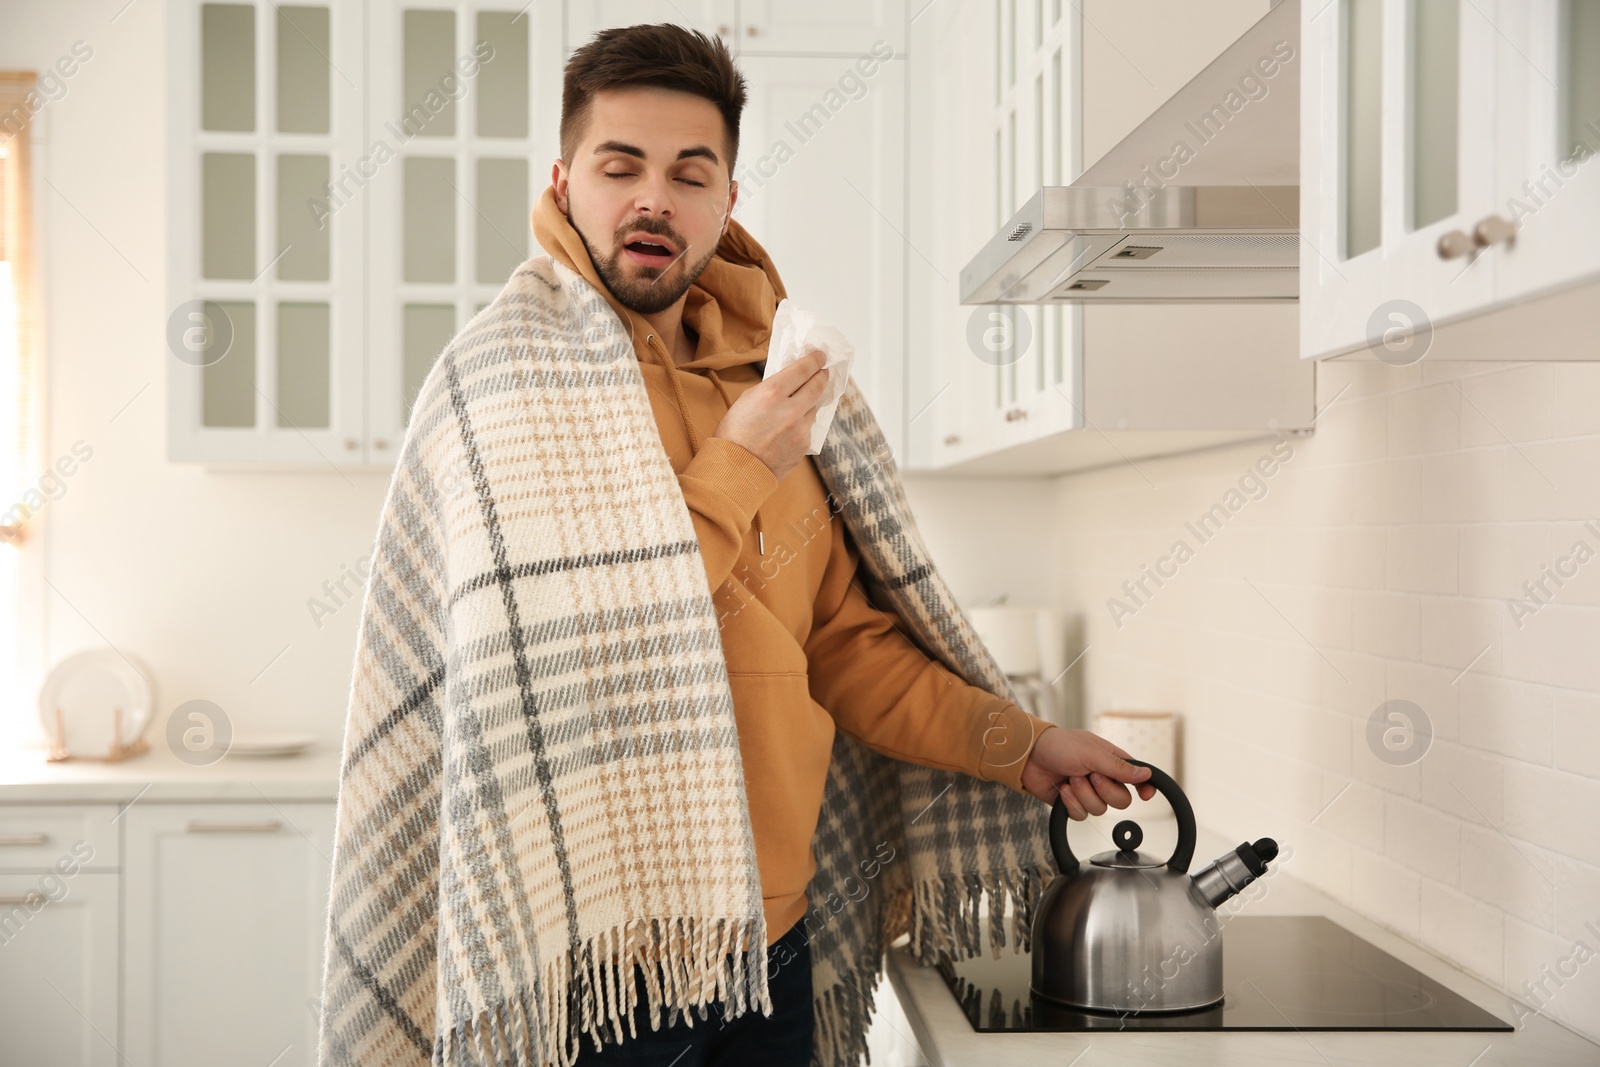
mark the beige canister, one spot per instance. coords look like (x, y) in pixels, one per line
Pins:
(1151, 736)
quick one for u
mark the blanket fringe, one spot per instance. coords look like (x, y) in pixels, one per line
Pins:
(944, 919)
(688, 962)
(941, 914)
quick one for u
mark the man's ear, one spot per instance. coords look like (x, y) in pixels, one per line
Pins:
(558, 180)
(727, 209)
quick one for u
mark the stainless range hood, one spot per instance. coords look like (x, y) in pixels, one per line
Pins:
(1200, 203)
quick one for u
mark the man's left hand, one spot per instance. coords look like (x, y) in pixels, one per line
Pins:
(1085, 769)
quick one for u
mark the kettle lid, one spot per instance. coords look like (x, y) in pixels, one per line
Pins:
(1128, 837)
(1133, 861)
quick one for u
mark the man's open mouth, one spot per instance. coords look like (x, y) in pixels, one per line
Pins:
(648, 252)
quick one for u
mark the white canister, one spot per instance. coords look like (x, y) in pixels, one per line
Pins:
(1012, 636)
(1151, 736)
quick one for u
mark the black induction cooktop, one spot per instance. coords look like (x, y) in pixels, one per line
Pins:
(1280, 972)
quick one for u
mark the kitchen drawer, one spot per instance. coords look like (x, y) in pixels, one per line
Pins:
(33, 837)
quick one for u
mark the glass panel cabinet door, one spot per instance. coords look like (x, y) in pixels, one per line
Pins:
(1549, 177)
(265, 327)
(466, 100)
(1397, 170)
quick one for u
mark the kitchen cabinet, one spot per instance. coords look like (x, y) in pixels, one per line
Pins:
(226, 910)
(1001, 109)
(451, 210)
(822, 186)
(350, 182)
(58, 969)
(265, 326)
(849, 27)
(58, 935)
(711, 17)
(1445, 171)
(1005, 108)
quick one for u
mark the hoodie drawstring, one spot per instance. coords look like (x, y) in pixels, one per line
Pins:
(666, 360)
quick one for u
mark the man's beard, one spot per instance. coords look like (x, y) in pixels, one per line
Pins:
(646, 292)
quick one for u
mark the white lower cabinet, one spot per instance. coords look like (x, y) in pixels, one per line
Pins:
(226, 907)
(58, 968)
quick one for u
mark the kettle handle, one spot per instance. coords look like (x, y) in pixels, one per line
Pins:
(1182, 855)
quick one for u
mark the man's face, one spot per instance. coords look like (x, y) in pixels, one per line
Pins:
(651, 167)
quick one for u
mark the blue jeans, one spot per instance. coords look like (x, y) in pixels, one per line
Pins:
(781, 1040)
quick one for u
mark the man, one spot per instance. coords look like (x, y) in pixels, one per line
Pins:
(639, 204)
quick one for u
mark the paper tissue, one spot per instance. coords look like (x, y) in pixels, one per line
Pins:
(796, 334)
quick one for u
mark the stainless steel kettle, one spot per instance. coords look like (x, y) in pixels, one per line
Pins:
(1129, 933)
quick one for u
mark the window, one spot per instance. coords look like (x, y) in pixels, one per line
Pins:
(18, 371)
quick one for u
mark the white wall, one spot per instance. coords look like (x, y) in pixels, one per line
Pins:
(202, 576)
(1376, 565)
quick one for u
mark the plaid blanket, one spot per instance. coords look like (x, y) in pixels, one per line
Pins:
(541, 782)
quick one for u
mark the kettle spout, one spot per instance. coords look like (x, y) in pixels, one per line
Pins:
(1232, 871)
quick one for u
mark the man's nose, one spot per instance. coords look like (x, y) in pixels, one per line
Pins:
(654, 197)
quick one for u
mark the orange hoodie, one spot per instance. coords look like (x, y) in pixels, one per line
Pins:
(806, 651)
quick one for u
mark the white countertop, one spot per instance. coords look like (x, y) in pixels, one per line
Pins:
(157, 775)
(947, 1039)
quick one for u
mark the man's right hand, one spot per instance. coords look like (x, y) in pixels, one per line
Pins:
(773, 418)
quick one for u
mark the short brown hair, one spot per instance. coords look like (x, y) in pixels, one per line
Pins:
(662, 55)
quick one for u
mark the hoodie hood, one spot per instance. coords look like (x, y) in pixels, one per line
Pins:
(729, 306)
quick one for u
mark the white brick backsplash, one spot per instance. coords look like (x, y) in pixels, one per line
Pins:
(1423, 840)
(1383, 561)
(1536, 958)
(1456, 924)
(1388, 891)
(1512, 405)
(1514, 876)
(1423, 559)
(1576, 721)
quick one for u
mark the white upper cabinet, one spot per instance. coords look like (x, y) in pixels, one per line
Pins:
(1443, 174)
(711, 17)
(463, 96)
(350, 183)
(265, 312)
(1002, 118)
(822, 187)
(830, 26)
(1547, 64)
(1020, 94)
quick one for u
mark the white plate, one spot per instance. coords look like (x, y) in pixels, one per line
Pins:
(89, 688)
(260, 744)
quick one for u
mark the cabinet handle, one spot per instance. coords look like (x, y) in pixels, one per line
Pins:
(1455, 244)
(1493, 230)
(15, 898)
(952, 439)
(24, 839)
(1016, 413)
(265, 826)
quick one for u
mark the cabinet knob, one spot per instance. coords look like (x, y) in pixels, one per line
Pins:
(1016, 413)
(751, 31)
(380, 443)
(952, 439)
(723, 31)
(351, 444)
(1455, 244)
(1494, 230)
